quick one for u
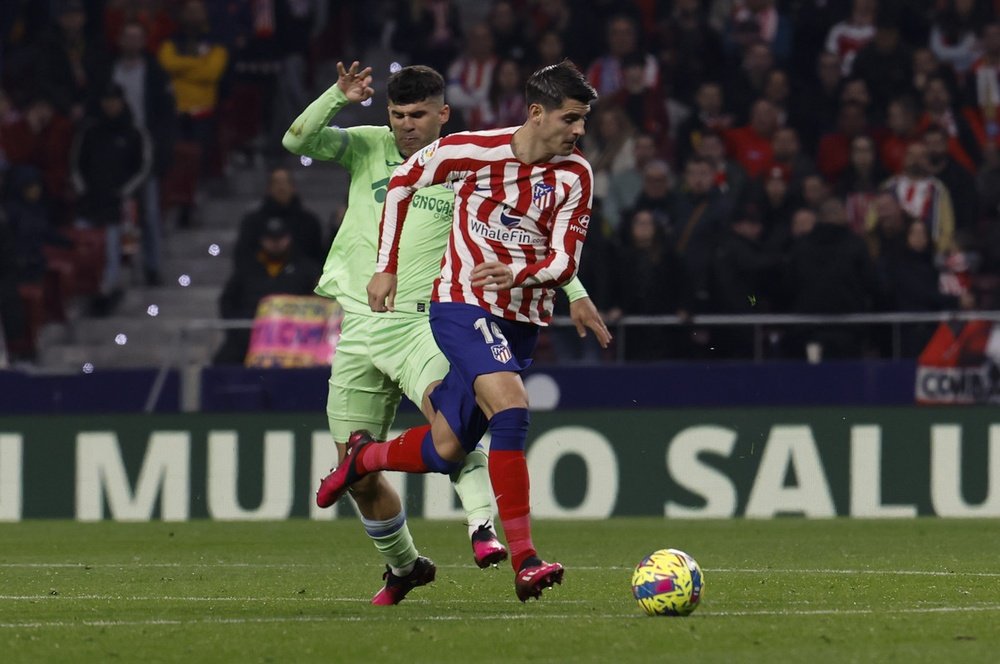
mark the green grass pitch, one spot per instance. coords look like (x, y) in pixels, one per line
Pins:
(787, 590)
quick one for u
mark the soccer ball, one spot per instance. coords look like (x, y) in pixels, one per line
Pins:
(668, 582)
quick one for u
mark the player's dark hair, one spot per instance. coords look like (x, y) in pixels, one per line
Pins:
(551, 86)
(414, 84)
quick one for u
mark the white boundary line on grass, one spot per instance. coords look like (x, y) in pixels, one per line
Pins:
(589, 568)
(891, 572)
(38, 624)
(296, 598)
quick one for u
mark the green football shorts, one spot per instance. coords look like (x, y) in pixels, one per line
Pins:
(378, 359)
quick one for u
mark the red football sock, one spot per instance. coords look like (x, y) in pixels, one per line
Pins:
(509, 477)
(401, 453)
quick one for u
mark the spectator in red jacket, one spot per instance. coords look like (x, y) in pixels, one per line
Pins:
(787, 154)
(938, 110)
(750, 145)
(834, 152)
(730, 178)
(606, 73)
(858, 184)
(41, 138)
(983, 88)
(644, 105)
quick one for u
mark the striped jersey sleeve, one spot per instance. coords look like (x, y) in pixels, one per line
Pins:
(531, 217)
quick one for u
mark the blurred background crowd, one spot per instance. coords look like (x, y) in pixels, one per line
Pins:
(750, 156)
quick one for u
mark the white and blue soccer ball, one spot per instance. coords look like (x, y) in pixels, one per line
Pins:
(668, 582)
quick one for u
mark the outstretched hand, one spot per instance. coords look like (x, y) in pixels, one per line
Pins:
(356, 85)
(584, 315)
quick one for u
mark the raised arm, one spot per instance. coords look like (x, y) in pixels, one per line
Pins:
(310, 133)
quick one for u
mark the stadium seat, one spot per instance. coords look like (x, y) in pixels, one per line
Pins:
(986, 287)
(239, 117)
(179, 185)
(59, 284)
(33, 298)
(87, 257)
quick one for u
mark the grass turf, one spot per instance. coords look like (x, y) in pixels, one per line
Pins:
(782, 590)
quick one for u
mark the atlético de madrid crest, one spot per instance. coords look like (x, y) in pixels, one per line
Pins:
(543, 195)
(501, 353)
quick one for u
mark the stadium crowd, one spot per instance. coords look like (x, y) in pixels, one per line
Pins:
(750, 156)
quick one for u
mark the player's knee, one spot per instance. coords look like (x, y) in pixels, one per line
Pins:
(450, 449)
(499, 392)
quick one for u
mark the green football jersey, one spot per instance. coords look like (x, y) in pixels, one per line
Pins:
(370, 156)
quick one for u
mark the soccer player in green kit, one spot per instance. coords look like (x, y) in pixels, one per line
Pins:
(380, 356)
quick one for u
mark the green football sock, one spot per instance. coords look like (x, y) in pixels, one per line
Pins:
(472, 484)
(393, 540)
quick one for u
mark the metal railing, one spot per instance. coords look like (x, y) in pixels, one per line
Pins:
(760, 323)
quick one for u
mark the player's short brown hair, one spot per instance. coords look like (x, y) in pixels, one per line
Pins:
(552, 85)
(414, 84)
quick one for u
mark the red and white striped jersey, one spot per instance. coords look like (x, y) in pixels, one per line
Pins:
(532, 217)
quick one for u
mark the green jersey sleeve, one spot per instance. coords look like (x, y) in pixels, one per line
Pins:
(311, 135)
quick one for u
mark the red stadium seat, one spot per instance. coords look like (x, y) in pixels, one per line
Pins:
(239, 117)
(59, 284)
(179, 185)
(33, 299)
(87, 256)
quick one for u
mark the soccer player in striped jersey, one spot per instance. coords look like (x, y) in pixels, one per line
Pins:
(379, 357)
(522, 207)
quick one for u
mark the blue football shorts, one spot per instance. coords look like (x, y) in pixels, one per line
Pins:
(475, 342)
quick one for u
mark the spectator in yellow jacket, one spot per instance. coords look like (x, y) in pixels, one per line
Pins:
(195, 65)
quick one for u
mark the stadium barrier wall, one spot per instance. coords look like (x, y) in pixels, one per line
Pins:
(653, 385)
(897, 462)
(650, 385)
(103, 391)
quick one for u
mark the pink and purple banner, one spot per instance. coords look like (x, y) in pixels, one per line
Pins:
(294, 331)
